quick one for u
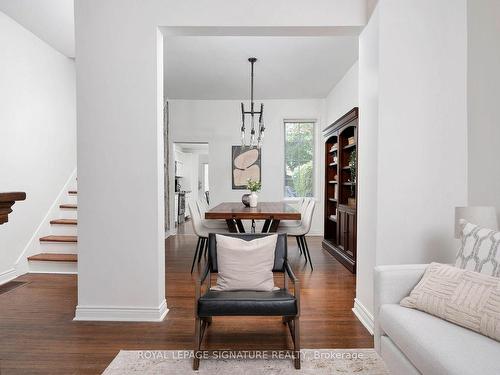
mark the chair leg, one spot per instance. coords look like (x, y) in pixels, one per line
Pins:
(296, 342)
(301, 239)
(299, 245)
(306, 250)
(197, 343)
(202, 248)
(196, 253)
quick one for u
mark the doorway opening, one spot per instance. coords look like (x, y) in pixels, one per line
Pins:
(191, 181)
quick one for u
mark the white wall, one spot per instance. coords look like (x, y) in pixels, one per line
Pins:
(368, 160)
(344, 95)
(422, 132)
(483, 99)
(37, 131)
(119, 61)
(217, 122)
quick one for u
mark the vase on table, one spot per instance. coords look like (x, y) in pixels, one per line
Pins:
(254, 198)
(245, 199)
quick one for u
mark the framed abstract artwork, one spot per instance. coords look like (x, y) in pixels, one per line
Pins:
(245, 165)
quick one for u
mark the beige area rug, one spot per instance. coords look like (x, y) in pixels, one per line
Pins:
(317, 362)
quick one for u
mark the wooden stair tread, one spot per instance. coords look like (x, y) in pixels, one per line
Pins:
(49, 257)
(64, 221)
(72, 192)
(59, 239)
(73, 206)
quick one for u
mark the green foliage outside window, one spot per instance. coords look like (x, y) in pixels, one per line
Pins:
(299, 156)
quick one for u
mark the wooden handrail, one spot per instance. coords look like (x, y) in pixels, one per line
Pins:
(7, 200)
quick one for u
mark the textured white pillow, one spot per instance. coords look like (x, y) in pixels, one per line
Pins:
(480, 250)
(245, 265)
(466, 298)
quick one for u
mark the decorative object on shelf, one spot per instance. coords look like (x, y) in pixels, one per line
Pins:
(252, 114)
(352, 169)
(350, 141)
(351, 202)
(245, 165)
(254, 186)
(245, 199)
(7, 200)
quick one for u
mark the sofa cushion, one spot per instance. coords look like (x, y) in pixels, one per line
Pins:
(469, 299)
(277, 302)
(435, 346)
(480, 249)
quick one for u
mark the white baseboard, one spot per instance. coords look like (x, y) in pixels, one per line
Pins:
(364, 316)
(7, 276)
(122, 314)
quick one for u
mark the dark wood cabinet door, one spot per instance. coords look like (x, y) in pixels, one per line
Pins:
(346, 224)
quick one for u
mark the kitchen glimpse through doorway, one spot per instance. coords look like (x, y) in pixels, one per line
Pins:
(191, 176)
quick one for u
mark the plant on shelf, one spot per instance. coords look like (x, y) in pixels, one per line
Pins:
(352, 169)
(254, 186)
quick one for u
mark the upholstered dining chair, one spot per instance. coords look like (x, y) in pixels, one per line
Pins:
(285, 225)
(299, 232)
(201, 231)
(281, 302)
(211, 224)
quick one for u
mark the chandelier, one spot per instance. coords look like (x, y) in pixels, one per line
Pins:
(253, 113)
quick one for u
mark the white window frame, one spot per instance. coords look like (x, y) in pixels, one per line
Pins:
(315, 123)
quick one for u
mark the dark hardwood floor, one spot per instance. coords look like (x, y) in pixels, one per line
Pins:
(38, 335)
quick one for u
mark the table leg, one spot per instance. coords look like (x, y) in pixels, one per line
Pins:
(231, 226)
(265, 228)
(274, 226)
(240, 226)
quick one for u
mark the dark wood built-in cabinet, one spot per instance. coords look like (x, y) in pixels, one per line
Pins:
(341, 146)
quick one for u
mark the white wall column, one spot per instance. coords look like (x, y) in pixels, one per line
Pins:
(413, 134)
(121, 255)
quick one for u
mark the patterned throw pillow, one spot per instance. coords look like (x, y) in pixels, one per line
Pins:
(466, 298)
(480, 250)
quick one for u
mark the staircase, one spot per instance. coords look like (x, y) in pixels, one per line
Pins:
(58, 249)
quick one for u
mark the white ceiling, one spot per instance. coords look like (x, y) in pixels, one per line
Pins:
(52, 21)
(216, 67)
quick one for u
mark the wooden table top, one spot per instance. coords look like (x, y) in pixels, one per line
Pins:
(263, 211)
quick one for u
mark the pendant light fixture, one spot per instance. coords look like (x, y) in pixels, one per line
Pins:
(259, 133)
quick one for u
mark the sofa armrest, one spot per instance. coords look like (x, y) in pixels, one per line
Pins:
(391, 285)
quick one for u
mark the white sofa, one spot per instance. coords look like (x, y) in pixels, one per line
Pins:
(413, 342)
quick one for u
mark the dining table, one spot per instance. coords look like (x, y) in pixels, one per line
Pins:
(270, 212)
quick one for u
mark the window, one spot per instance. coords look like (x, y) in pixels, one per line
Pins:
(299, 158)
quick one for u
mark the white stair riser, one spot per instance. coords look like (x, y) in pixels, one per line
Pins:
(63, 230)
(36, 266)
(71, 199)
(67, 213)
(58, 247)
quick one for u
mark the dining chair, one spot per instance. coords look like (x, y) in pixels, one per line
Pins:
(299, 232)
(301, 207)
(211, 224)
(201, 231)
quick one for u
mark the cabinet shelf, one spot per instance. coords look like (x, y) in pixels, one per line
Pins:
(350, 146)
(346, 168)
(349, 183)
(332, 164)
(332, 199)
(332, 182)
